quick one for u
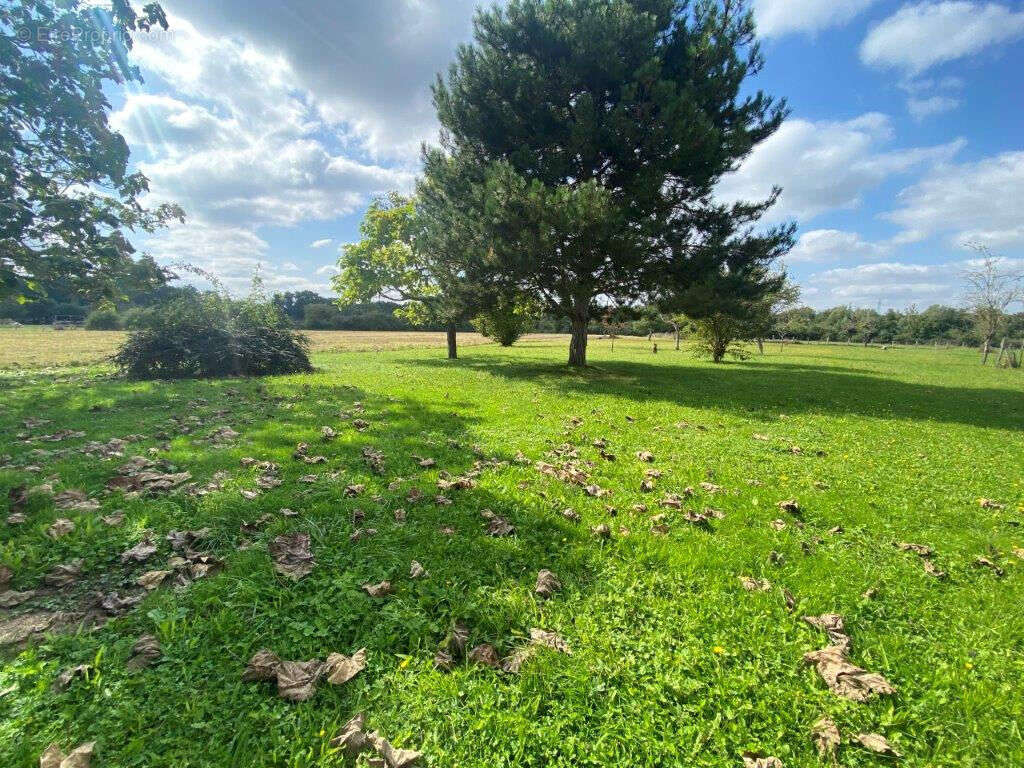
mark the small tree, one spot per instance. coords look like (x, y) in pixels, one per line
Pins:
(991, 287)
(507, 320)
(391, 262)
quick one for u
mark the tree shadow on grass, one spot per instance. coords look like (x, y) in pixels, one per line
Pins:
(765, 388)
(210, 629)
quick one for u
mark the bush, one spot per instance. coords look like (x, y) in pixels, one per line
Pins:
(506, 321)
(209, 336)
(103, 319)
(136, 318)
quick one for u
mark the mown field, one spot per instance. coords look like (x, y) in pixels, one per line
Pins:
(670, 657)
(39, 346)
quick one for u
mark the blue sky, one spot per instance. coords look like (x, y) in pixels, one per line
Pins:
(273, 124)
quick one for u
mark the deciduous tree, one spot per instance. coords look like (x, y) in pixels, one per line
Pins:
(66, 196)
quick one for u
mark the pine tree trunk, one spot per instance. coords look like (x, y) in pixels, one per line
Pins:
(675, 329)
(453, 351)
(578, 343)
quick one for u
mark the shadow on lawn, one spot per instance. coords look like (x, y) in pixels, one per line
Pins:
(273, 415)
(765, 388)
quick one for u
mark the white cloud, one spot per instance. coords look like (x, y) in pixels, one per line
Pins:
(979, 201)
(931, 105)
(371, 64)
(328, 269)
(823, 166)
(891, 284)
(829, 245)
(321, 243)
(920, 36)
(779, 17)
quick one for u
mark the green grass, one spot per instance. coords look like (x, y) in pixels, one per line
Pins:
(673, 663)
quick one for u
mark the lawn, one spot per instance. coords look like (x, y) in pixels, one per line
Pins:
(41, 346)
(672, 660)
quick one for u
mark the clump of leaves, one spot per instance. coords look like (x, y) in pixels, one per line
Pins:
(209, 336)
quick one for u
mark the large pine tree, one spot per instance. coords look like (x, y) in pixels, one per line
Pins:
(591, 134)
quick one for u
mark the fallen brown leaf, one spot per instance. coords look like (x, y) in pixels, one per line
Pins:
(755, 585)
(416, 571)
(12, 598)
(499, 527)
(141, 552)
(296, 680)
(340, 668)
(877, 744)
(826, 737)
(383, 589)
(832, 625)
(291, 555)
(145, 651)
(485, 654)
(758, 760)
(846, 679)
(60, 527)
(547, 584)
(262, 666)
(984, 562)
(152, 579)
(65, 678)
(79, 757)
(65, 574)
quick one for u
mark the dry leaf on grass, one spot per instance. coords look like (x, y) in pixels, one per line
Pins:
(291, 555)
(115, 604)
(547, 584)
(846, 679)
(832, 625)
(79, 757)
(60, 527)
(777, 525)
(327, 433)
(75, 500)
(261, 667)
(152, 579)
(64, 574)
(499, 527)
(416, 571)
(933, 570)
(984, 562)
(340, 668)
(12, 598)
(296, 680)
(141, 552)
(65, 678)
(758, 760)
(602, 531)
(990, 504)
(825, 735)
(552, 640)
(354, 490)
(918, 549)
(145, 651)
(350, 737)
(113, 519)
(571, 515)
(383, 589)
(877, 744)
(755, 585)
(792, 506)
(711, 488)
(485, 654)
(646, 456)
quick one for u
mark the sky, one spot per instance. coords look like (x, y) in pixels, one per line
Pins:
(274, 124)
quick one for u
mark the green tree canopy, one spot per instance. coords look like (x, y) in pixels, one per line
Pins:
(586, 138)
(66, 196)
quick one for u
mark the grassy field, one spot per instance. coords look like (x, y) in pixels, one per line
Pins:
(673, 661)
(41, 346)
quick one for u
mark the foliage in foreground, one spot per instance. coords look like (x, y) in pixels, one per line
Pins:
(210, 336)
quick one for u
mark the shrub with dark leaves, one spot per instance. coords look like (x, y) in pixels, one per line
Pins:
(209, 336)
